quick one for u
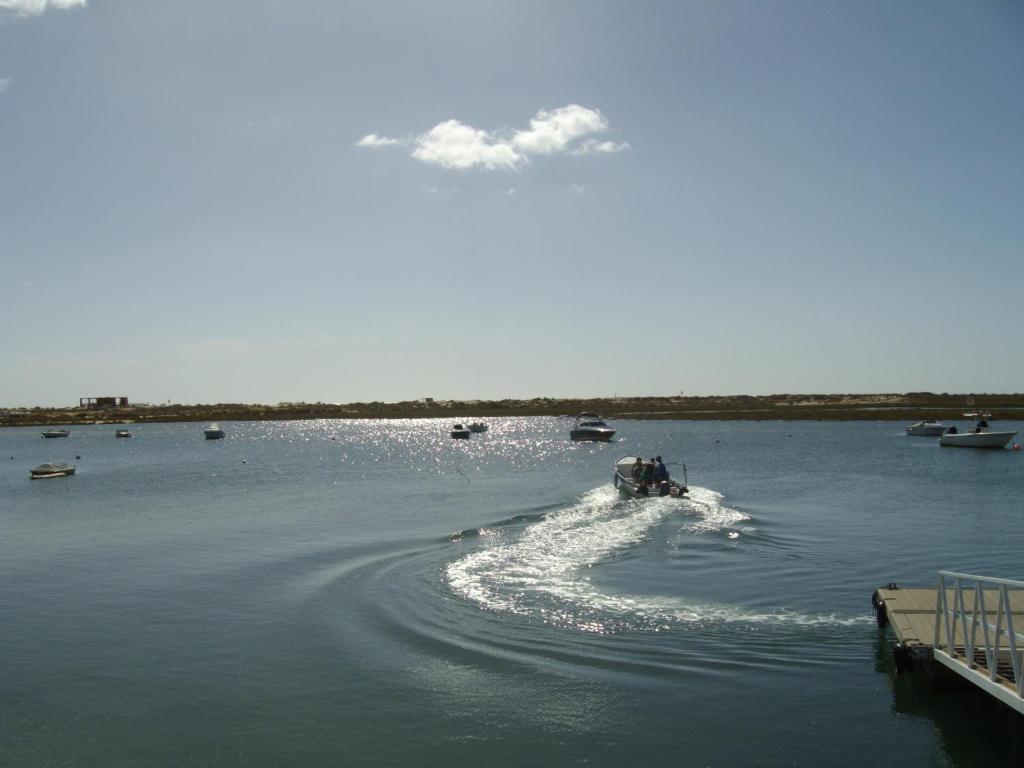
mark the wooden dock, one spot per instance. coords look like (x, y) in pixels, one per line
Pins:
(972, 625)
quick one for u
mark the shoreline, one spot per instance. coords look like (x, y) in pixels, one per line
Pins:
(872, 407)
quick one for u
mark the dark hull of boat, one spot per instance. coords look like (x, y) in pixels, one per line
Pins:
(597, 436)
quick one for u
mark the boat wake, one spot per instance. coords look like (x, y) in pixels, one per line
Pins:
(540, 570)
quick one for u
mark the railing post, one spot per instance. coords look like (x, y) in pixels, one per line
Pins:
(940, 610)
(991, 652)
(961, 613)
(1012, 638)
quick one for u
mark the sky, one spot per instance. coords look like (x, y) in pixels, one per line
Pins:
(261, 201)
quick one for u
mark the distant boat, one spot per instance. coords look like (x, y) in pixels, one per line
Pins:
(214, 432)
(979, 437)
(122, 433)
(47, 471)
(927, 428)
(477, 426)
(460, 432)
(56, 433)
(590, 426)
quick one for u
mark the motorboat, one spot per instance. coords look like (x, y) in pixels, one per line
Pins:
(477, 426)
(56, 433)
(214, 432)
(927, 428)
(978, 437)
(590, 426)
(46, 471)
(122, 433)
(629, 473)
(460, 432)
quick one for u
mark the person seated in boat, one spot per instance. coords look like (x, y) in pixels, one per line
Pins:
(663, 489)
(638, 469)
(660, 470)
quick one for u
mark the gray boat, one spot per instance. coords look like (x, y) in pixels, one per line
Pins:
(634, 487)
(47, 471)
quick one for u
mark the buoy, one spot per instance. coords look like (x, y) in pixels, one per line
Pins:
(1016, 447)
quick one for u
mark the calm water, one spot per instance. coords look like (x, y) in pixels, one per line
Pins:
(374, 593)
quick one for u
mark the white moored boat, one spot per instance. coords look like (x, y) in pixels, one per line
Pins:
(927, 428)
(56, 433)
(460, 432)
(214, 432)
(629, 479)
(978, 437)
(590, 426)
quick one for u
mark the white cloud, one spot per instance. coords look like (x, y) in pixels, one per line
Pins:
(5, 83)
(455, 145)
(36, 7)
(373, 140)
(552, 131)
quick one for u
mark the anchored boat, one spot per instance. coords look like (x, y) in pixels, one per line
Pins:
(590, 426)
(979, 437)
(56, 433)
(46, 471)
(927, 428)
(460, 432)
(214, 432)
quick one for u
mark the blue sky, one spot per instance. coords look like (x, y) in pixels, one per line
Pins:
(264, 201)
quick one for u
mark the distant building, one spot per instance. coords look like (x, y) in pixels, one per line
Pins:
(95, 403)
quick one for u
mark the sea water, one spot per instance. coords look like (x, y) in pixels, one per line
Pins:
(327, 593)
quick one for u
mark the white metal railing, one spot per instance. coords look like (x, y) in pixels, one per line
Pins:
(970, 619)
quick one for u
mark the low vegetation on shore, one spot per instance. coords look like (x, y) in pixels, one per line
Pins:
(910, 406)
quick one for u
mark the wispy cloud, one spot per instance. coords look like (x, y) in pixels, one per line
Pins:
(456, 145)
(373, 140)
(36, 7)
(591, 146)
(5, 83)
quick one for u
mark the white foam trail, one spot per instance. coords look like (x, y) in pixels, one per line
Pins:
(542, 572)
